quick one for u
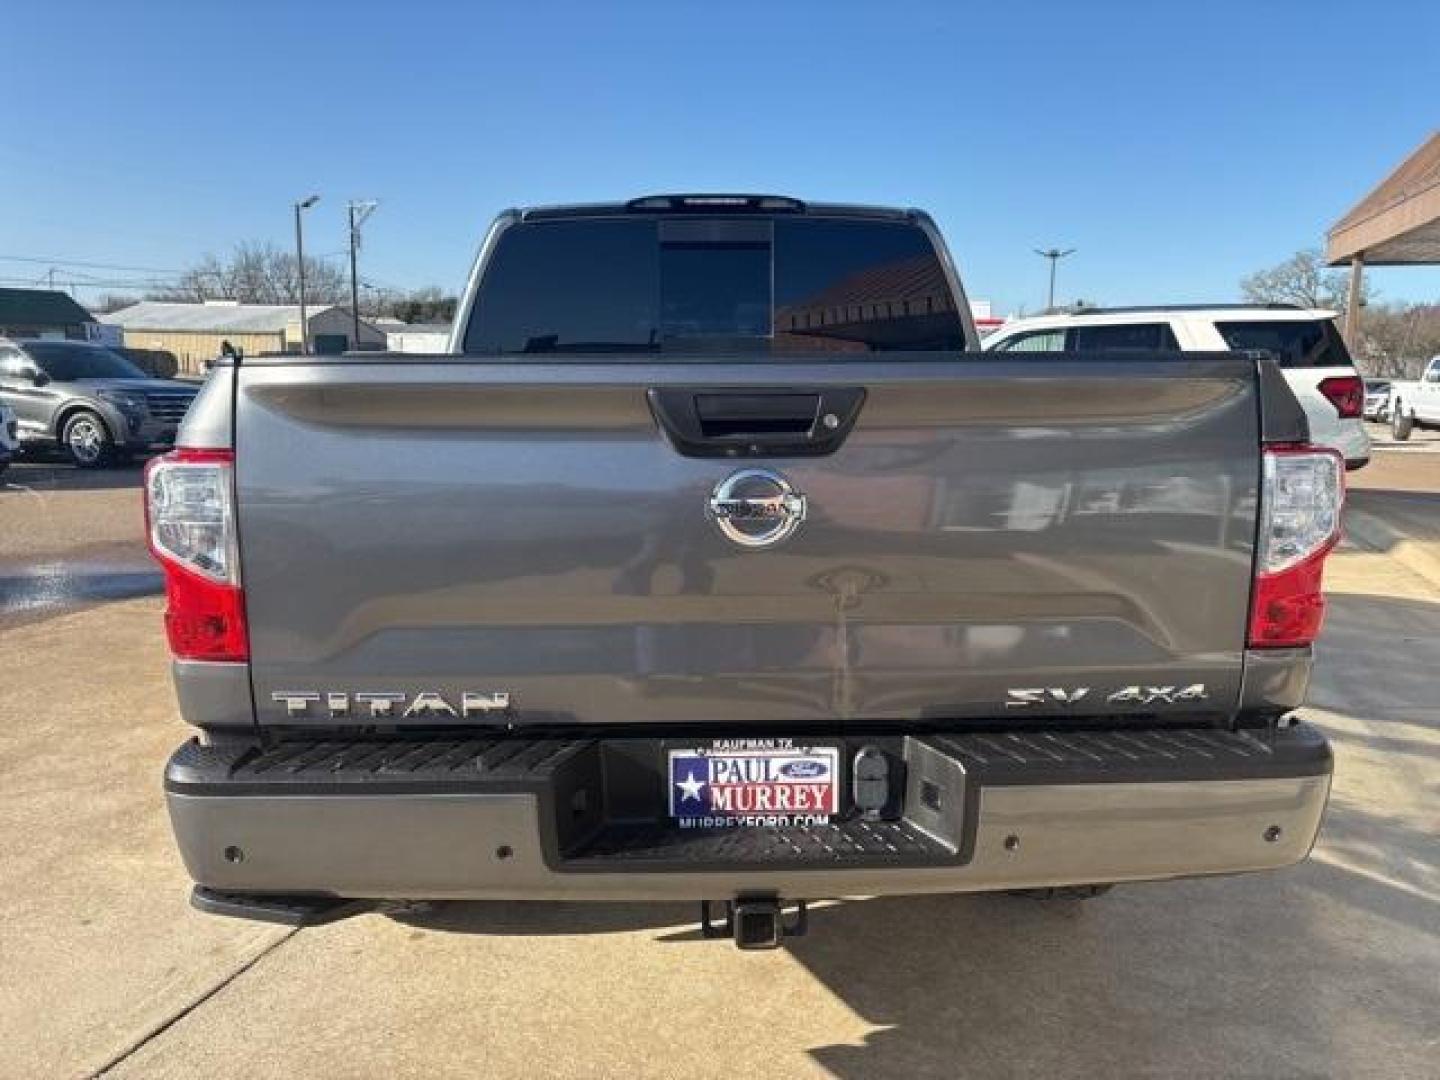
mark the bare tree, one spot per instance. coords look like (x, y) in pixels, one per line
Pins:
(1302, 279)
(260, 273)
(430, 304)
(109, 302)
(1396, 340)
(257, 273)
(427, 305)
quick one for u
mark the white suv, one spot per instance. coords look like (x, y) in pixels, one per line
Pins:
(1305, 341)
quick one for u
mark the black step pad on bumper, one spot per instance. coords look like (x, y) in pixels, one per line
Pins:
(372, 766)
(1136, 756)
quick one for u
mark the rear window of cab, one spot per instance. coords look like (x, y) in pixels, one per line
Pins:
(751, 284)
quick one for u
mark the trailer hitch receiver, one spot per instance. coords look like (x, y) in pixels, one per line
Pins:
(755, 922)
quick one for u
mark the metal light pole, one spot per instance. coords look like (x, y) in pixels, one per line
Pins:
(1054, 255)
(302, 205)
(359, 211)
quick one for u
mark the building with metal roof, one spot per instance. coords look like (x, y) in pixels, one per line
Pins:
(44, 313)
(1396, 224)
(196, 333)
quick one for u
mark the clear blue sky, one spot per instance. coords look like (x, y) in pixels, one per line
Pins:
(1177, 146)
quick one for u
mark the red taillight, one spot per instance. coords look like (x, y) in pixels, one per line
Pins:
(1300, 505)
(1288, 608)
(1346, 393)
(190, 526)
(203, 620)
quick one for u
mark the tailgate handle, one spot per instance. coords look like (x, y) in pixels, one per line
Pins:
(754, 422)
(756, 414)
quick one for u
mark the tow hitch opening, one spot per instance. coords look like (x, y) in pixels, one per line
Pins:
(755, 923)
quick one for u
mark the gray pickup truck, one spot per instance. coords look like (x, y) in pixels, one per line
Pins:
(714, 561)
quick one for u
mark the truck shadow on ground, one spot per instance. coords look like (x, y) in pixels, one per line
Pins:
(1236, 976)
(1200, 979)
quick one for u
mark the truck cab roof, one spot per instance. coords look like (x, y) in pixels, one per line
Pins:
(712, 203)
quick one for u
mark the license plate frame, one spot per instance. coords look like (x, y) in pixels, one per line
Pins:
(744, 783)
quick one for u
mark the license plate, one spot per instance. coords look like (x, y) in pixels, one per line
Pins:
(734, 783)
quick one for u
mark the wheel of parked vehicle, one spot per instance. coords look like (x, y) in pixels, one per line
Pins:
(87, 440)
(1401, 422)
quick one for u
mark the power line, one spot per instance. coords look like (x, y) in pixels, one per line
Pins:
(88, 265)
(86, 282)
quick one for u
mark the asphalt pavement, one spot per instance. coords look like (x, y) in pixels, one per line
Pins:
(1330, 968)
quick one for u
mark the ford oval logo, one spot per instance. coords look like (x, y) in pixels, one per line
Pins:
(804, 770)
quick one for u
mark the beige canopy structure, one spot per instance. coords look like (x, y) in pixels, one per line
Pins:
(1397, 224)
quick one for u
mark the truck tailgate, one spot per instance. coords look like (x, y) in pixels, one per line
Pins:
(990, 539)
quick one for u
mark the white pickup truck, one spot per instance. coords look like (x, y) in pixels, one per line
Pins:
(1415, 404)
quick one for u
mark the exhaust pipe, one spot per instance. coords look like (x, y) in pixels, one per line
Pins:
(754, 922)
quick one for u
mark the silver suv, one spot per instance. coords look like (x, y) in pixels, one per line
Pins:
(89, 400)
(1304, 341)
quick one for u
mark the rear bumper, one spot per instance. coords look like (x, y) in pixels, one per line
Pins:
(1353, 442)
(566, 819)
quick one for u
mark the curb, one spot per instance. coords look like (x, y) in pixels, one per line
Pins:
(1375, 534)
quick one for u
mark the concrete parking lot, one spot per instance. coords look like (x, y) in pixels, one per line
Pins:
(1330, 968)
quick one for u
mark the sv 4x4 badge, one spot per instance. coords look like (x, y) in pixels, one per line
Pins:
(1128, 695)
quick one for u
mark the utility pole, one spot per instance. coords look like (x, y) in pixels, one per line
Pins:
(359, 211)
(302, 205)
(1054, 255)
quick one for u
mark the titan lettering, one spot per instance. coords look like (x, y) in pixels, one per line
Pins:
(388, 704)
(472, 703)
(429, 703)
(296, 703)
(381, 704)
